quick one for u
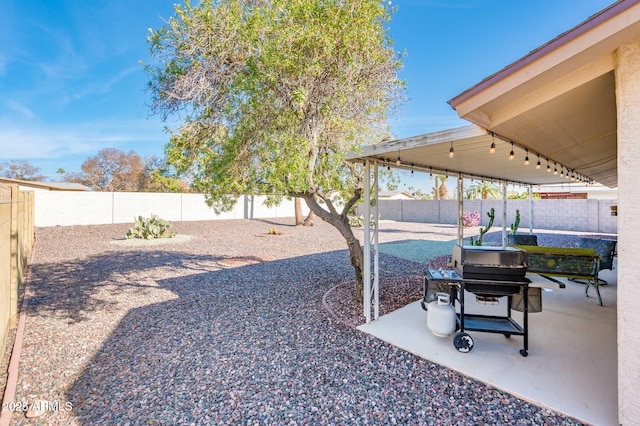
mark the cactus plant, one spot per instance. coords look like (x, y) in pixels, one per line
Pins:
(149, 228)
(492, 215)
(516, 223)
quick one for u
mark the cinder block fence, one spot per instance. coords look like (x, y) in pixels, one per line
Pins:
(583, 215)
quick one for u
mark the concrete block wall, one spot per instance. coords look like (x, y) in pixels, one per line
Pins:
(588, 215)
(65, 208)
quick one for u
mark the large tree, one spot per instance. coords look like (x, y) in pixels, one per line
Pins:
(113, 170)
(273, 94)
(483, 190)
(21, 170)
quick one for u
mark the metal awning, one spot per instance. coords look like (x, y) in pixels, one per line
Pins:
(472, 157)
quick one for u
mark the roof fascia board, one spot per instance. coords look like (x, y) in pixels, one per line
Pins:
(454, 134)
(570, 44)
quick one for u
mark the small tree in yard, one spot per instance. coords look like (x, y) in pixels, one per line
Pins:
(273, 94)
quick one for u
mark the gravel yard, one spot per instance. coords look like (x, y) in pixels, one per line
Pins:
(228, 326)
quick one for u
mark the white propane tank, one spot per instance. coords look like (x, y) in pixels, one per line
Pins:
(441, 315)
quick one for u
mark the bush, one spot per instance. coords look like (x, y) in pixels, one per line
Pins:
(148, 228)
(356, 221)
(470, 219)
(273, 231)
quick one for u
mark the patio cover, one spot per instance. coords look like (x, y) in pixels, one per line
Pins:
(472, 157)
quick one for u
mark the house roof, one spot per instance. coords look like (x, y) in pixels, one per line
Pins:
(51, 186)
(559, 100)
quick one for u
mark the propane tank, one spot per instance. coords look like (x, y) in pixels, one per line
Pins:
(441, 315)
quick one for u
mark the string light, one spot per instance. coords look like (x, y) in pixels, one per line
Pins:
(398, 161)
(411, 169)
(451, 154)
(562, 170)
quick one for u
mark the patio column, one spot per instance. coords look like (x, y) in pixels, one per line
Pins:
(504, 214)
(366, 302)
(627, 78)
(370, 277)
(530, 210)
(460, 208)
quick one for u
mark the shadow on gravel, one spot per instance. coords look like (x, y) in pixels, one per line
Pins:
(252, 345)
(69, 288)
(246, 343)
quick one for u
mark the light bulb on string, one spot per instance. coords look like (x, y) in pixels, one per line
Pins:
(555, 168)
(451, 153)
(526, 159)
(511, 154)
(492, 149)
(538, 165)
(548, 167)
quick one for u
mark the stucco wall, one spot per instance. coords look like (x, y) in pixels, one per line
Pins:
(53, 208)
(628, 107)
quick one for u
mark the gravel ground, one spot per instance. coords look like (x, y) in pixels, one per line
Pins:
(229, 326)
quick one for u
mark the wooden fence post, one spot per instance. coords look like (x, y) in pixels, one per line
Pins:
(13, 268)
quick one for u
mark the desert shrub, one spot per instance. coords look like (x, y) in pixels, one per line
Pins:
(273, 231)
(148, 228)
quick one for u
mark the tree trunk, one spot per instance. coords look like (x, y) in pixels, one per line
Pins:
(443, 192)
(298, 211)
(356, 254)
(309, 219)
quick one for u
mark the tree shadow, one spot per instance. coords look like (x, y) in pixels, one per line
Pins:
(248, 342)
(72, 289)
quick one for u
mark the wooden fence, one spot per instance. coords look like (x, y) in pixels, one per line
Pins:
(16, 242)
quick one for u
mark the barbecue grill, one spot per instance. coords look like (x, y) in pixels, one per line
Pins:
(490, 273)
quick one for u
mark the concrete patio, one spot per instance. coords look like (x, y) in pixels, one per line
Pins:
(572, 362)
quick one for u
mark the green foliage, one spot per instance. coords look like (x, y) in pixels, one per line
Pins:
(483, 190)
(522, 196)
(516, 224)
(356, 221)
(492, 215)
(148, 228)
(273, 95)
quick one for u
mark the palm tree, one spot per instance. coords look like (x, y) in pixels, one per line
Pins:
(483, 190)
(61, 172)
(440, 190)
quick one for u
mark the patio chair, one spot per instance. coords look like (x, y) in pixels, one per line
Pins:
(606, 249)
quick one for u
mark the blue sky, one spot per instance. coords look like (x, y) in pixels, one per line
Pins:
(71, 82)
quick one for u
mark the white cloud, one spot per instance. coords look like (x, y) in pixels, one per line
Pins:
(58, 141)
(22, 110)
(105, 86)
